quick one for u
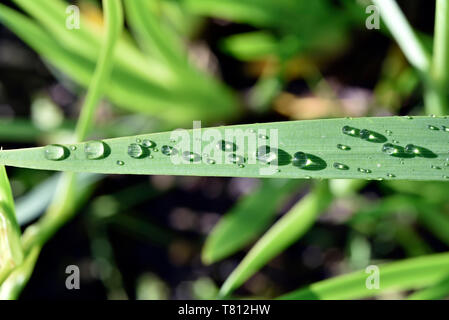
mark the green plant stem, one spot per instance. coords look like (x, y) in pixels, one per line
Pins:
(62, 207)
(435, 100)
(440, 62)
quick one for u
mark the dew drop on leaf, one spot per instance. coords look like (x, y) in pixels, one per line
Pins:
(431, 127)
(388, 132)
(94, 150)
(191, 156)
(340, 166)
(411, 149)
(364, 170)
(343, 147)
(265, 154)
(147, 143)
(445, 128)
(226, 146)
(236, 159)
(210, 161)
(350, 131)
(389, 148)
(73, 148)
(120, 162)
(168, 150)
(301, 160)
(390, 175)
(135, 151)
(55, 152)
(262, 136)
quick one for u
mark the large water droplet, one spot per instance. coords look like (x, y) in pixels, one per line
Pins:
(350, 131)
(343, 147)
(135, 151)
(168, 150)
(301, 160)
(340, 166)
(389, 148)
(412, 149)
(266, 155)
(226, 146)
(367, 135)
(94, 150)
(55, 152)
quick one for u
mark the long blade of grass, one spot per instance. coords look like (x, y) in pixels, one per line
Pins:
(393, 148)
(280, 236)
(11, 253)
(438, 291)
(246, 220)
(403, 275)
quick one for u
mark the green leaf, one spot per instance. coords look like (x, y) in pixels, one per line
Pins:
(403, 275)
(281, 235)
(246, 220)
(11, 253)
(318, 140)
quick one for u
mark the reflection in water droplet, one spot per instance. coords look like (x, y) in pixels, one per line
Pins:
(340, 166)
(120, 162)
(343, 147)
(191, 156)
(168, 150)
(432, 127)
(55, 152)
(350, 131)
(135, 151)
(390, 175)
(236, 158)
(388, 148)
(301, 160)
(366, 135)
(226, 146)
(147, 143)
(364, 170)
(94, 150)
(411, 149)
(265, 155)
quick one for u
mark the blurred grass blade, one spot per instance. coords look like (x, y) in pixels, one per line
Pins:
(436, 292)
(11, 253)
(247, 219)
(396, 276)
(333, 148)
(281, 235)
(14, 284)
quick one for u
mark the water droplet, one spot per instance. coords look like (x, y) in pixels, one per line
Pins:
(366, 135)
(226, 146)
(301, 160)
(340, 166)
(432, 127)
(388, 132)
(138, 140)
(236, 158)
(73, 148)
(432, 116)
(135, 151)
(364, 170)
(408, 117)
(265, 154)
(191, 156)
(262, 136)
(120, 162)
(252, 130)
(147, 143)
(55, 152)
(378, 165)
(155, 149)
(168, 150)
(390, 175)
(308, 177)
(210, 161)
(150, 156)
(446, 177)
(343, 147)
(388, 148)
(435, 167)
(445, 128)
(94, 150)
(241, 166)
(395, 141)
(411, 149)
(350, 131)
